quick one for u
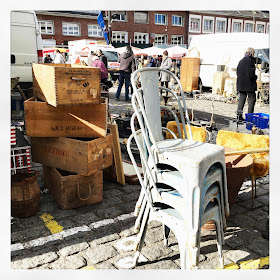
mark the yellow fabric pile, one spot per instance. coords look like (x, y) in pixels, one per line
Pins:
(242, 141)
(199, 133)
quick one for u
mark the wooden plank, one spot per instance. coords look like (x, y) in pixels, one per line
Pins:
(73, 190)
(117, 153)
(190, 73)
(86, 120)
(82, 156)
(62, 84)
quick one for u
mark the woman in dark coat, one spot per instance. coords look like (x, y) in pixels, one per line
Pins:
(246, 83)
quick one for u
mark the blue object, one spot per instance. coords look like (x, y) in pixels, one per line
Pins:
(260, 120)
(102, 24)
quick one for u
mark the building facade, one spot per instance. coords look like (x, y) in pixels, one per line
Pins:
(146, 28)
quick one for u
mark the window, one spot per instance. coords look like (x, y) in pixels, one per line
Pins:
(208, 24)
(177, 39)
(72, 29)
(118, 16)
(260, 28)
(195, 23)
(248, 27)
(177, 21)
(46, 27)
(94, 31)
(141, 17)
(237, 25)
(221, 24)
(141, 38)
(119, 37)
(48, 43)
(160, 19)
(160, 39)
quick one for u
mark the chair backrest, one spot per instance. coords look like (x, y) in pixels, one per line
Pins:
(147, 99)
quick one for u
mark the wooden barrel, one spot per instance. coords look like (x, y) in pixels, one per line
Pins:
(25, 194)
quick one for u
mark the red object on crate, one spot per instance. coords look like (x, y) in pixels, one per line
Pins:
(13, 136)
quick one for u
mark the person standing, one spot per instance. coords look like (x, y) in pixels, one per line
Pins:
(246, 83)
(127, 66)
(48, 59)
(89, 60)
(103, 58)
(96, 62)
(165, 64)
(59, 58)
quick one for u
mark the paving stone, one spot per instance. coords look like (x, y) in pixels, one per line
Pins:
(248, 204)
(243, 220)
(133, 196)
(155, 224)
(212, 262)
(131, 188)
(248, 234)
(108, 202)
(107, 194)
(60, 214)
(158, 251)
(102, 253)
(85, 219)
(128, 206)
(208, 246)
(29, 221)
(260, 246)
(29, 234)
(233, 241)
(236, 209)
(126, 244)
(128, 232)
(49, 206)
(153, 235)
(71, 247)
(34, 260)
(241, 254)
(104, 239)
(258, 214)
(261, 225)
(264, 199)
(261, 191)
(244, 196)
(71, 262)
(111, 212)
(166, 264)
(265, 186)
(104, 265)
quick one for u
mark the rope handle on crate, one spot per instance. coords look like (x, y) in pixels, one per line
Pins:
(78, 79)
(89, 191)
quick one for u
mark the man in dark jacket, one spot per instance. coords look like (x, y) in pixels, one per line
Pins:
(246, 83)
(103, 58)
(127, 66)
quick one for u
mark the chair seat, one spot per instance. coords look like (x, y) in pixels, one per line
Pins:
(189, 153)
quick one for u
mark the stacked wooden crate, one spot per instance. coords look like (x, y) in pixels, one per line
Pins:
(67, 124)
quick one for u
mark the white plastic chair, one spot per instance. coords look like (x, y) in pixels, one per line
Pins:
(192, 159)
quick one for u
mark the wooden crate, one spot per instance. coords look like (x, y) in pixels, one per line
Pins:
(190, 73)
(73, 190)
(64, 84)
(83, 156)
(219, 82)
(86, 120)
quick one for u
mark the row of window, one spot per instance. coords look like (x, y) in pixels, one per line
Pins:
(143, 38)
(221, 23)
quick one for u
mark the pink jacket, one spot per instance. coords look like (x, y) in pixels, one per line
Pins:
(98, 63)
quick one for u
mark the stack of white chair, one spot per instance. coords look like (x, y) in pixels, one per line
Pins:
(184, 183)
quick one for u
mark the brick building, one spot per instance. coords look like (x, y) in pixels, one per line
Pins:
(146, 28)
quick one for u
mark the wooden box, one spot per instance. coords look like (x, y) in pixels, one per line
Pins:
(219, 82)
(82, 156)
(73, 190)
(86, 120)
(190, 73)
(64, 84)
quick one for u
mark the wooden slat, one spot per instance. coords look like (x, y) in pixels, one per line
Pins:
(86, 120)
(118, 165)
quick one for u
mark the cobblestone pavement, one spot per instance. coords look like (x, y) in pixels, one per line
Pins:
(101, 236)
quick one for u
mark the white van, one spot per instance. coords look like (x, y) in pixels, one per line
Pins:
(79, 50)
(226, 49)
(26, 45)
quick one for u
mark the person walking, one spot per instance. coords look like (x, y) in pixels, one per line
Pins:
(246, 83)
(165, 64)
(102, 57)
(59, 58)
(127, 66)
